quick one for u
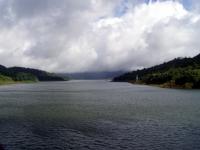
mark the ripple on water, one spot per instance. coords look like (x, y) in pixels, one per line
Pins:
(98, 115)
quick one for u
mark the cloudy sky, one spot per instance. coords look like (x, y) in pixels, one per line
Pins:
(97, 35)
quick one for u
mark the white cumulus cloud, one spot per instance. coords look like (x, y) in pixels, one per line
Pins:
(96, 35)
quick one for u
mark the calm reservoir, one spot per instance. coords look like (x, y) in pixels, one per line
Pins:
(98, 115)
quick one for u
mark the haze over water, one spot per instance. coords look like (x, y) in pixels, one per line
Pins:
(98, 115)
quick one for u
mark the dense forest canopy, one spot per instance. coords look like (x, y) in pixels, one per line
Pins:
(26, 74)
(180, 72)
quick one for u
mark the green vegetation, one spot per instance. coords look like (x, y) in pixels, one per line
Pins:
(5, 80)
(178, 73)
(19, 74)
(25, 77)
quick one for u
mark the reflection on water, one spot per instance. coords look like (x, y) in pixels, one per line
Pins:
(98, 115)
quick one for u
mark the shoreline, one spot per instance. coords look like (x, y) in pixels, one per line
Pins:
(16, 82)
(168, 85)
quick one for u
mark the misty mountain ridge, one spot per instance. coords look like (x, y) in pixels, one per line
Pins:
(92, 75)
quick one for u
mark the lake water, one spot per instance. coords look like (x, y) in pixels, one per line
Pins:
(98, 115)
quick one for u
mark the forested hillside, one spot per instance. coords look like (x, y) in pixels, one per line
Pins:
(180, 73)
(15, 74)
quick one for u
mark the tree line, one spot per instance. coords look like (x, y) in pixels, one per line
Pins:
(180, 72)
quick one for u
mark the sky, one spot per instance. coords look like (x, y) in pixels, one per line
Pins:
(97, 35)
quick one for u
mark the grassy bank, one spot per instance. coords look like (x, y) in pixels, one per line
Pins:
(4, 80)
(170, 84)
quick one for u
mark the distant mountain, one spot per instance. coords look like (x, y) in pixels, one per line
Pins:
(92, 75)
(180, 72)
(28, 74)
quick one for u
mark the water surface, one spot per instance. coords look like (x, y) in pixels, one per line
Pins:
(98, 115)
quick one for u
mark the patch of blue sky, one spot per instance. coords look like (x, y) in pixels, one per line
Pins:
(121, 9)
(187, 4)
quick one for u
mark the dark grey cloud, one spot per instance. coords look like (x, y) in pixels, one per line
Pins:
(32, 8)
